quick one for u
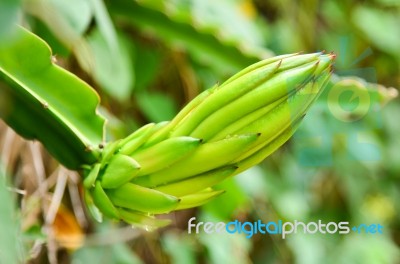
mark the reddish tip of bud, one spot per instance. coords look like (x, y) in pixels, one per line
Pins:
(332, 55)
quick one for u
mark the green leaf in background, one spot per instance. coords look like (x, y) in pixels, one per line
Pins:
(156, 106)
(380, 27)
(205, 47)
(42, 101)
(307, 249)
(67, 28)
(10, 244)
(390, 116)
(77, 13)
(58, 48)
(106, 245)
(113, 65)
(115, 253)
(232, 20)
(147, 65)
(365, 248)
(226, 248)
(72, 19)
(105, 24)
(113, 69)
(180, 248)
(8, 16)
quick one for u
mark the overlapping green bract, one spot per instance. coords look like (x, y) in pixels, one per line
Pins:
(225, 130)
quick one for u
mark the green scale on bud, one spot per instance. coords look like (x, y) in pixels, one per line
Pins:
(225, 130)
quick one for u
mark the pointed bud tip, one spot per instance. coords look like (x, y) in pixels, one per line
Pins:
(332, 55)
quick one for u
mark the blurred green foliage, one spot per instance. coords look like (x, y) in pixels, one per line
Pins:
(148, 58)
(10, 238)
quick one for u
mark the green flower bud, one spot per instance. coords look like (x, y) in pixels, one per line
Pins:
(223, 131)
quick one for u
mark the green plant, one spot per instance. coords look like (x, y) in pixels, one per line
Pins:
(165, 166)
(147, 59)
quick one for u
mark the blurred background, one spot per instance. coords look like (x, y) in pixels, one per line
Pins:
(148, 58)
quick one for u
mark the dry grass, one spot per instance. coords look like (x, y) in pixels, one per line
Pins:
(49, 198)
